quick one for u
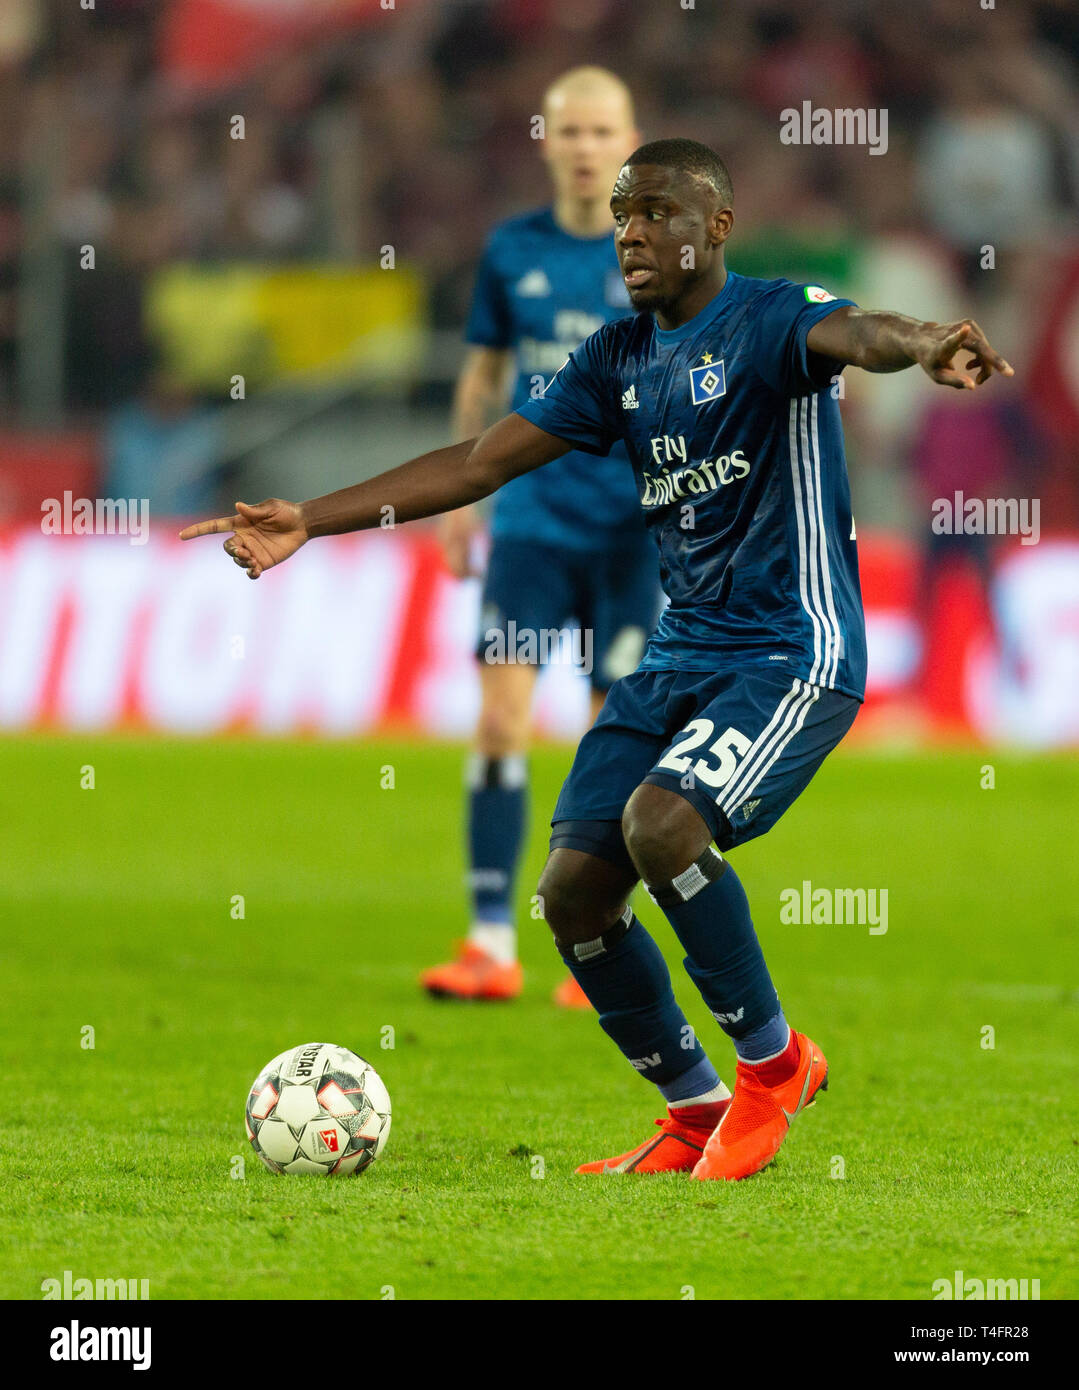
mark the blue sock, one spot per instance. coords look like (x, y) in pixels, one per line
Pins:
(766, 1041)
(627, 980)
(707, 907)
(497, 804)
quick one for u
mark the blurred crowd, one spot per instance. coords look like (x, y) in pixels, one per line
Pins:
(414, 130)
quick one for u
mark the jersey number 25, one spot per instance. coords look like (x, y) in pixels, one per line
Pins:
(726, 750)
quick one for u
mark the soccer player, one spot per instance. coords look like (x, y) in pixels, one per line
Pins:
(723, 389)
(568, 541)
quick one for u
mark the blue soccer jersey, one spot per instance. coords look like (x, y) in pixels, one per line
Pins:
(540, 291)
(734, 434)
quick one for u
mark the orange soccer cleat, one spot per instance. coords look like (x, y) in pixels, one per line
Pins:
(675, 1149)
(752, 1130)
(569, 995)
(474, 975)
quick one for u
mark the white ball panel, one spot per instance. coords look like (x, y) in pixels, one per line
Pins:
(344, 1060)
(324, 1140)
(304, 1165)
(277, 1141)
(371, 1127)
(264, 1101)
(297, 1105)
(333, 1099)
(347, 1165)
(374, 1089)
(306, 1062)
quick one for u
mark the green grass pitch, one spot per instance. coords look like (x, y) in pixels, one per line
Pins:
(931, 1152)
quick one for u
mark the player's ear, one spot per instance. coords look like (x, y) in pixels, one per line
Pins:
(720, 225)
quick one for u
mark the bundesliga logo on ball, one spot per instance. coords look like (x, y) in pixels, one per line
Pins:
(318, 1109)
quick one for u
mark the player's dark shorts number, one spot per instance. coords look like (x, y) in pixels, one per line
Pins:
(740, 746)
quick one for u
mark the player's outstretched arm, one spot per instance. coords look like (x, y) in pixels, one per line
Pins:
(270, 532)
(885, 342)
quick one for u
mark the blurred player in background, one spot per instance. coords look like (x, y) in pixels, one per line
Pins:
(566, 542)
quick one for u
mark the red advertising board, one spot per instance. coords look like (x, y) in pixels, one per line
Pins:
(370, 632)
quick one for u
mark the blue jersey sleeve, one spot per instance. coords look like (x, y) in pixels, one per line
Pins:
(575, 406)
(490, 322)
(783, 316)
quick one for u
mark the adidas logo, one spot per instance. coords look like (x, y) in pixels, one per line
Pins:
(748, 807)
(534, 285)
(629, 399)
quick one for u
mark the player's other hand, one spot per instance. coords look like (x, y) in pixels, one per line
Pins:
(940, 344)
(456, 531)
(264, 535)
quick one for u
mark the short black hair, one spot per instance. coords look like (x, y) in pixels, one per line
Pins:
(688, 157)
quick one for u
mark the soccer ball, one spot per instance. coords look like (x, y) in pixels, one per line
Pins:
(318, 1109)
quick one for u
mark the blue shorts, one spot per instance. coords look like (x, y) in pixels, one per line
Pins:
(614, 595)
(740, 746)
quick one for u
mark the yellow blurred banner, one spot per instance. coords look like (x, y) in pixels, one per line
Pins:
(289, 323)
